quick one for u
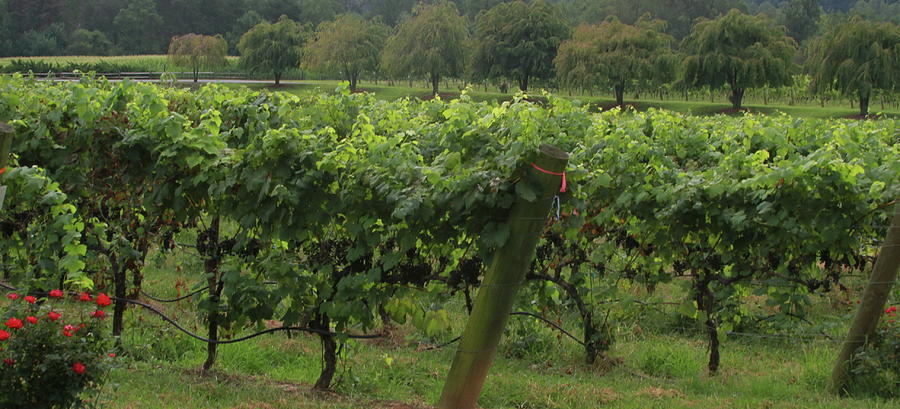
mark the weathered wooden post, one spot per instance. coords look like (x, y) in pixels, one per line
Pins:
(502, 280)
(6, 136)
(872, 305)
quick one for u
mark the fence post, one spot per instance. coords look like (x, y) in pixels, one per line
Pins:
(502, 280)
(6, 136)
(872, 305)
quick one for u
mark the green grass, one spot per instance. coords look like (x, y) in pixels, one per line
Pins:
(419, 89)
(658, 371)
(386, 92)
(657, 367)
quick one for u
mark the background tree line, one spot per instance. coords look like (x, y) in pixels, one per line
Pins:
(509, 41)
(107, 27)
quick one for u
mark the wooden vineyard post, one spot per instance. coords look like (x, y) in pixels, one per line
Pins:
(6, 135)
(502, 280)
(873, 302)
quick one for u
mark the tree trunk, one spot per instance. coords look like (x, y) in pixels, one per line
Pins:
(863, 104)
(871, 308)
(353, 79)
(277, 79)
(523, 83)
(329, 352)
(593, 344)
(121, 283)
(386, 322)
(196, 74)
(619, 91)
(435, 82)
(706, 303)
(737, 95)
(211, 265)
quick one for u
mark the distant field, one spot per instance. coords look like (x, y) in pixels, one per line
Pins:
(302, 83)
(152, 62)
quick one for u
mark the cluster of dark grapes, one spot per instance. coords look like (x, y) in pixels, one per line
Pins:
(466, 274)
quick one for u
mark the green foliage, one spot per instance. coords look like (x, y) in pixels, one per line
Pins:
(801, 18)
(432, 42)
(739, 50)
(51, 363)
(88, 42)
(48, 41)
(273, 47)
(198, 51)
(243, 24)
(857, 58)
(349, 45)
(617, 55)
(518, 40)
(346, 203)
(41, 232)
(877, 10)
(680, 16)
(137, 27)
(875, 367)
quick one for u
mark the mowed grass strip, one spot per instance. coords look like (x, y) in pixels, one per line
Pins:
(419, 89)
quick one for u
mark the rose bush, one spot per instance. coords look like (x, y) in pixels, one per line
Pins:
(54, 352)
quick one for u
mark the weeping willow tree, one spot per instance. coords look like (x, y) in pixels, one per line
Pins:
(856, 58)
(616, 55)
(197, 51)
(349, 44)
(432, 42)
(740, 50)
(273, 47)
(518, 40)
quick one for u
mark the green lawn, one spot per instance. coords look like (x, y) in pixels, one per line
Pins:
(387, 92)
(659, 364)
(419, 89)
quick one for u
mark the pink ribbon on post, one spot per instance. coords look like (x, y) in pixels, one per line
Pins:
(562, 189)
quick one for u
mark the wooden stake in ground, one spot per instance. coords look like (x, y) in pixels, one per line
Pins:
(872, 305)
(6, 135)
(501, 282)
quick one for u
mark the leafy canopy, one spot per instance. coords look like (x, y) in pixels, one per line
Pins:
(518, 40)
(198, 50)
(349, 44)
(856, 58)
(616, 54)
(273, 47)
(740, 50)
(432, 42)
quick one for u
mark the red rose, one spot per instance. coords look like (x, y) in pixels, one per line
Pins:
(3, 335)
(12, 296)
(98, 314)
(69, 327)
(67, 333)
(103, 300)
(79, 368)
(84, 297)
(14, 323)
(56, 294)
(9, 361)
(53, 315)
(30, 299)
(111, 355)
(32, 320)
